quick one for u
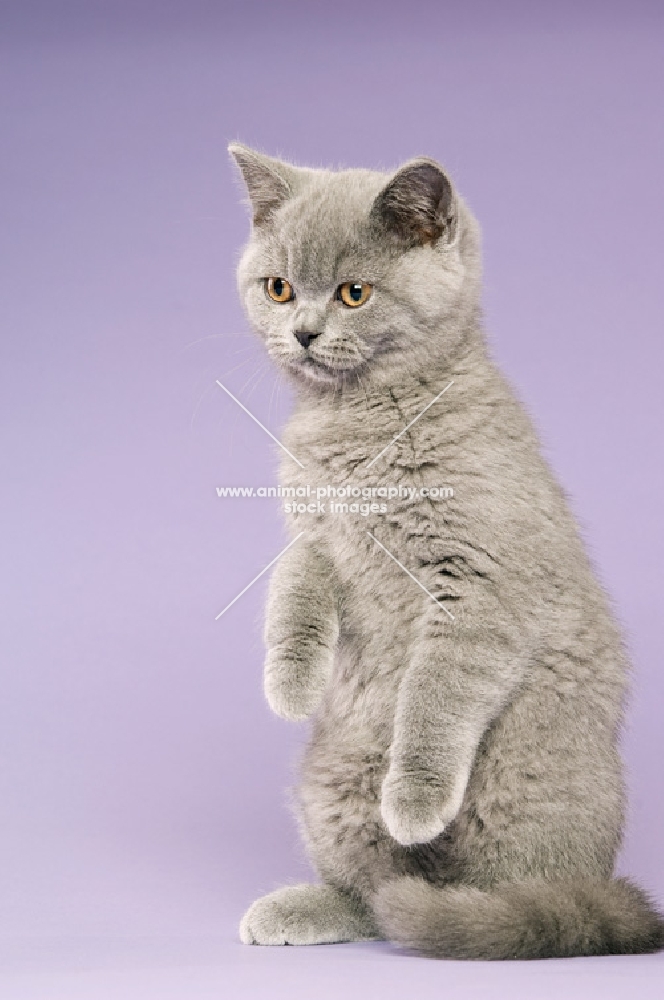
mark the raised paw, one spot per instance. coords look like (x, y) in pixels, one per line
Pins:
(306, 914)
(294, 686)
(416, 809)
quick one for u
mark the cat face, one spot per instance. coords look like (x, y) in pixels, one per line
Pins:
(355, 274)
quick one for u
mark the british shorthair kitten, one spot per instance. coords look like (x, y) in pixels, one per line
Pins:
(462, 791)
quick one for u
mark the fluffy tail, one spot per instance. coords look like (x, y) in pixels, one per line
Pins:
(532, 919)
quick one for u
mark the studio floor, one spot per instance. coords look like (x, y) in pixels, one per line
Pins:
(201, 968)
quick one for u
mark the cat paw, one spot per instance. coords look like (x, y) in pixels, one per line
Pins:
(293, 689)
(416, 810)
(306, 914)
(275, 919)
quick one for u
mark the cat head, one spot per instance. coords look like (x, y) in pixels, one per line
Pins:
(357, 273)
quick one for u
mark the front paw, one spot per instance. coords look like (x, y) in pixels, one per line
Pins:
(416, 808)
(294, 686)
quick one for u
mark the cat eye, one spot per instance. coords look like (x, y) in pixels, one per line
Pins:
(354, 293)
(279, 289)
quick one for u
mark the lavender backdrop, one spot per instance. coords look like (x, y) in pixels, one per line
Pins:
(142, 786)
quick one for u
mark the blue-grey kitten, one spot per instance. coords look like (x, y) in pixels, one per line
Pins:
(462, 790)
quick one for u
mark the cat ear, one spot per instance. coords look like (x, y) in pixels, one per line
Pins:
(269, 182)
(418, 205)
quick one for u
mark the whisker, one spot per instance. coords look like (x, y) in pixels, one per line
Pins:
(258, 381)
(229, 371)
(269, 409)
(197, 406)
(359, 379)
(259, 371)
(212, 336)
(232, 426)
(279, 388)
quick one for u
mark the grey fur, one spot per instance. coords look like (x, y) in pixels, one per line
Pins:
(462, 782)
(307, 914)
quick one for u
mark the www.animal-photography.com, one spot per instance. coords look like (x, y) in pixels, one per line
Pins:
(333, 551)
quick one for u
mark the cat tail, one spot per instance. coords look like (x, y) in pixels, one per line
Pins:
(532, 919)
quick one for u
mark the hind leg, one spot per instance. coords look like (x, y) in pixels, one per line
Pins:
(307, 914)
(545, 799)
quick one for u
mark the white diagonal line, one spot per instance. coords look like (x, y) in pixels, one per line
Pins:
(387, 447)
(401, 566)
(217, 617)
(249, 413)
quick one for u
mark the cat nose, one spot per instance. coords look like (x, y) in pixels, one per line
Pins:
(305, 338)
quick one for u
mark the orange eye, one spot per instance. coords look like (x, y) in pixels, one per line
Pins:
(279, 289)
(354, 293)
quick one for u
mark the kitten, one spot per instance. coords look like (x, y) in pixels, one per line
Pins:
(462, 791)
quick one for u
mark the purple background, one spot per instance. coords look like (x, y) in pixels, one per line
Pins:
(143, 781)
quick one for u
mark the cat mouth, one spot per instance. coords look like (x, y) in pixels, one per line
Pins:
(319, 371)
